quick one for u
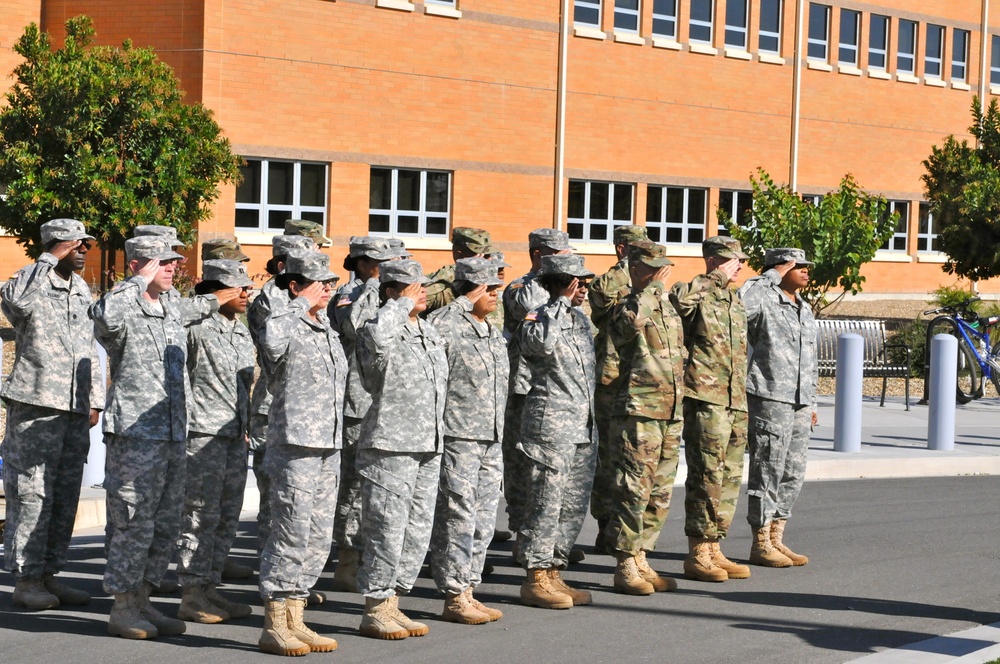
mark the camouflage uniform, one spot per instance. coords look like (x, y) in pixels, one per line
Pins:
(781, 388)
(404, 368)
(440, 293)
(715, 419)
(472, 464)
(55, 382)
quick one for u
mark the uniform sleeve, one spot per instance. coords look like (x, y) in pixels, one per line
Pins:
(22, 290)
(111, 311)
(540, 330)
(448, 321)
(603, 295)
(197, 308)
(686, 297)
(279, 328)
(364, 308)
(632, 313)
(755, 293)
(376, 339)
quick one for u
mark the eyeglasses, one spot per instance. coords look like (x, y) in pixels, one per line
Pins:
(582, 284)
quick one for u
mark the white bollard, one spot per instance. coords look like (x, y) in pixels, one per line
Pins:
(941, 400)
(93, 472)
(850, 378)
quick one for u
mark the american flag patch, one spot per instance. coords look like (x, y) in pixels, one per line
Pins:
(532, 316)
(343, 303)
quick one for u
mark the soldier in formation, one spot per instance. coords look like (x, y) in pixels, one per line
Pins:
(465, 243)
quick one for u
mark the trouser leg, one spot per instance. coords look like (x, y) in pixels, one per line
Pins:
(516, 466)
(794, 468)
(258, 448)
(601, 496)
(347, 522)
(387, 485)
(769, 430)
(234, 481)
(575, 494)
(206, 464)
(714, 444)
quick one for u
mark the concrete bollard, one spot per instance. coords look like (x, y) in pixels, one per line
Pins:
(93, 472)
(850, 376)
(943, 379)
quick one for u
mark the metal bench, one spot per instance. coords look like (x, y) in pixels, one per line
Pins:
(877, 363)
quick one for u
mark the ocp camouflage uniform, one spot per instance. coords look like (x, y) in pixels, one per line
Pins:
(55, 382)
(220, 360)
(472, 464)
(781, 389)
(715, 419)
(404, 368)
(439, 291)
(557, 432)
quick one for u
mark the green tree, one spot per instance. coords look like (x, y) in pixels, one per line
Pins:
(840, 234)
(101, 134)
(963, 187)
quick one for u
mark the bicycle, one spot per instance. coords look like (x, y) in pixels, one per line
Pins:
(978, 358)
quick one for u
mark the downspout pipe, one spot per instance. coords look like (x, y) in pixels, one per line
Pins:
(793, 166)
(560, 169)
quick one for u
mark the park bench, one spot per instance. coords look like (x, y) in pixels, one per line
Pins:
(876, 362)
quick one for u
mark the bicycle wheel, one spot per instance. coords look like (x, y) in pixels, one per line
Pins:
(970, 380)
(994, 361)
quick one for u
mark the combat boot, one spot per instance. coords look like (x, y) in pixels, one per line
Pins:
(777, 532)
(412, 627)
(295, 610)
(234, 571)
(196, 607)
(276, 639)
(733, 570)
(125, 620)
(576, 556)
(661, 584)
(501, 536)
(234, 609)
(627, 577)
(164, 625)
(763, 553)
(345, 577)
(537, 590)
(166, 587)
(376, 623)
(698, 566)
(494, 614)
(579, 597)
(67, 595)
(315, 598)
(458, 608)
(32, 595)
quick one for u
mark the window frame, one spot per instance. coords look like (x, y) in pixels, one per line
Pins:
(447, 3)
(422, 213)
(663, 226)
(734, 207)
(925, 232)
(736, 30)
(843, 46)
(904, 221)
(911, 55)
(930, 60)
(661, 17)
(767, 34)
(960, 36)
(882, 52)
(295, 210)
(815, 41)
(699, 23)
(636, 14)
(994, 59)
(588, 4)
(610, 223)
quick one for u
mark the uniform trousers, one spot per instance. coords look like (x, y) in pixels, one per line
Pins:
(715, 440)
(347, 522)
(258, 448)
(779, 445)
(602, 494)
(516, 467)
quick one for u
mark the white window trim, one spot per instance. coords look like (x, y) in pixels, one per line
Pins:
(904, 236)
(592, 4)
(884, 51)
(422, 214)
(994, 70)
(964, 62)
(776, 35)
(825, 42)
(930, 235)
(441, 8)
(401, 5)
(587, 220)
(664, 17)
(733, 210)
(939, 61)
(295, 209)
(912, 55)
(710, 24)
(636, 13)
(745, 30)
(630, 38)
(684, 225)
(856, 46)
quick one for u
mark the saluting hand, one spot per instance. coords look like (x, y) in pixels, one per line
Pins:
(662, 274)
(63, 249)
(571, 290)
(224, 295)
(731, 268)
(412, 291)
(785, 268)
(476, 293)
(312, 293)
(148, 270)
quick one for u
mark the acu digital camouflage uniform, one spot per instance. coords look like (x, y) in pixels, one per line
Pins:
(54, 384)
(475, 242)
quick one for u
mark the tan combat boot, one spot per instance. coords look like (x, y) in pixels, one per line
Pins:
(376, 623)
(777, 532)
(537, 590)
(196, 607)
(698, 566)
(579, 597)
(734, 570)
(576, 556)
(67, 595)
(412, 627)
(276, 639)
(628, 580)
(345, 577)
(494, 614)
(164, 625)
(295, 610)
(763, 553)
(234, 609)
(234, 571)
(661, 584)
(32, 595)
(125, 620)
(315, 598)
(458, 608)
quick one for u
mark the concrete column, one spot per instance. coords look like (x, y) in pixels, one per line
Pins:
(943, 379)
(850, 375)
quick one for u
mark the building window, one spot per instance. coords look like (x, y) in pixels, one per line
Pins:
(927, 239)
(898, 240)
(665, 18)
(274, 191)
(449, 3)
(769, 39)
(587, 12)
(627, 15)
(813, 199)
(676, 215)
(906, 51)
(596, 208)
(995, 60)
(409, 202)
(819, 31)
(737, 205)
(959, 54)
(736, 23)
(850, 22)
(934, 52)
(878, 42)
(700, 26)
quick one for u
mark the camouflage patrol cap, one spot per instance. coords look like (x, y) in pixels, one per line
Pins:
(648, 253)
(548, 238)
(783, 255)
(281, 245)
(498, 258)
(405, 271)
(396, 243)
(475, 240)
(149, 247)
(157, 230)
(722, 247)
(313, 265)
(64, 230)
(480, 271)
(629, 233)
(223, 248)
(570, 264)
(309, 229)
(227, 272)
(375, 248)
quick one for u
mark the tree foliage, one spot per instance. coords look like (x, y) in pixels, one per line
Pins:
(101, 134)
(963, 187)
(840, 234)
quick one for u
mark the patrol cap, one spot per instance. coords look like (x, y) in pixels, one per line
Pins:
(149, 247)
(396, 243)
(784, 255)
(648, 253)
(548, 238)
(722, 247)
(375, 248)
(311, 264)
(222, 248)
(64, 230)
(497, 257)
(475, 240)
(309, 229)
(281, 245)
(570, 264)
(228, 272)
(168, 233)
(480, 271)
(629, 233)
(405, 271)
